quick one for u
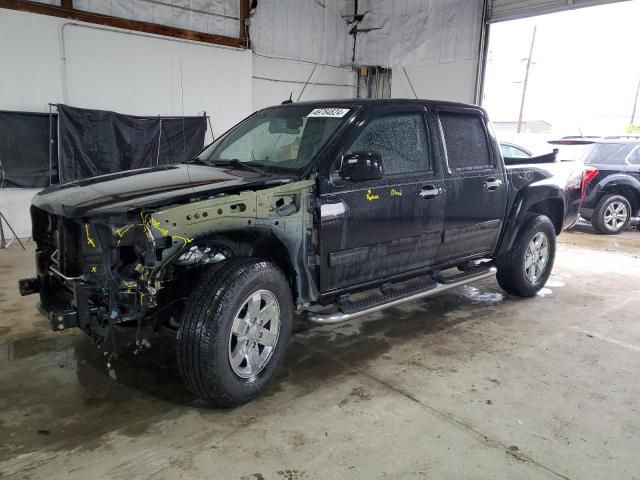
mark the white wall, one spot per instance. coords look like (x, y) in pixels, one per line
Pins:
(118, 70)
(109, 69)
(14, 205)
(275, 79)
(144, 75)
(447, 81)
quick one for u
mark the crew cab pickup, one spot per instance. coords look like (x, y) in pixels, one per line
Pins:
(328, 210)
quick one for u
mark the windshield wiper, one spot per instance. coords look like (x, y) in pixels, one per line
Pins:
(235, 163)
(196, 160)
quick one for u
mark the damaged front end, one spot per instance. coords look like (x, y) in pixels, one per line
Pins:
(101, 272)
(95, 273)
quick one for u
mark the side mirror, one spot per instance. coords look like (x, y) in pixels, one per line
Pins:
(362, 166)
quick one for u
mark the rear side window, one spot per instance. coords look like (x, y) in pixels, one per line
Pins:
(466, 141)
(634, 157)
(605, 153)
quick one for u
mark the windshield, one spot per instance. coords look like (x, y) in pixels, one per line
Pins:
(282, 139)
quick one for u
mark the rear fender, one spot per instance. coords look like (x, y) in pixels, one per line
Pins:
(542, 200)
(618, 184)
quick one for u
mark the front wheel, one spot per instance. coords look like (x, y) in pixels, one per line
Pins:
(235, 330)
(611, 215)
(524, 269)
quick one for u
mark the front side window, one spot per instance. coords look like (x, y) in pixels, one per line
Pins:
(399, 138)
(466, 141)
(284, 138)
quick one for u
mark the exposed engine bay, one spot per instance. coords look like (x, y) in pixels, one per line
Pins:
(98, 273)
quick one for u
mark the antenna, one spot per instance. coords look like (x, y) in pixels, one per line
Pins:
(289, 100)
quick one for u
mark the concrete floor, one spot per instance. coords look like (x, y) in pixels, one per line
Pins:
(472, 384)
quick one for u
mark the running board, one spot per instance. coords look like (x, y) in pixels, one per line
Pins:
(352, 310)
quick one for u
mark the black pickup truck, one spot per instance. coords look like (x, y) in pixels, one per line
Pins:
(330, 210)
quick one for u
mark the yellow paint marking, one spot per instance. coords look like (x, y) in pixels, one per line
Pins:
(90, 240)
(156, 224)
(371, 196)
(94, 269)
(184, 239)
(121, 232)
(395, 193)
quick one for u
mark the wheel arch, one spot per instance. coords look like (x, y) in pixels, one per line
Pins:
(627, 191)
(552, 208)
(267, 245)
(530, 202)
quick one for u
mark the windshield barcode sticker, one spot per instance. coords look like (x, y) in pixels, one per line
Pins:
(328, 112)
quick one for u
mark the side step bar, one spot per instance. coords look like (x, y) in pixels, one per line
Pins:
(429, 290)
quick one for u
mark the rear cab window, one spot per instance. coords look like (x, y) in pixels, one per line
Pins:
(466, 142)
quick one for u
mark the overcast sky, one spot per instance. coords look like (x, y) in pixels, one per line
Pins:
(587, 66)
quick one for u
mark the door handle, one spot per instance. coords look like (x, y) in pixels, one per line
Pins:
(429, 192)
(492, 184)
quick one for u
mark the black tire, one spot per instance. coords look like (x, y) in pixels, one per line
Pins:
(203, 339)
(598, 219)
(512, 276)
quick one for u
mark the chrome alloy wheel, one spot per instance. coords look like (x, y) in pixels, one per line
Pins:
(536, 257)
(254, 333)
(615, 216)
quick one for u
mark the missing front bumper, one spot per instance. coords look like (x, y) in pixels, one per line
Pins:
(29, 286)
(60, 318)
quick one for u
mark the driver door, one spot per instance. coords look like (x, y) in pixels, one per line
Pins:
(372, 230)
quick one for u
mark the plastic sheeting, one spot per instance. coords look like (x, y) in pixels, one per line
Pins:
(418, 32)
(392, 33)
(24, 149)
(220, 17)
(310, 30)
(95, 142)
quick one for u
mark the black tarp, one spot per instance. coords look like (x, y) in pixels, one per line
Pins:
(24, 149)
(95, 142)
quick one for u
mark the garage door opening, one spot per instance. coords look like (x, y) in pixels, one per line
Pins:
(569, 73)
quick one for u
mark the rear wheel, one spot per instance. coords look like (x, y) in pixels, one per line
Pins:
(235, 330)
(611, 215)
(525, 269)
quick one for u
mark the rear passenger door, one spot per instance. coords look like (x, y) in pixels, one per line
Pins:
(475, 184)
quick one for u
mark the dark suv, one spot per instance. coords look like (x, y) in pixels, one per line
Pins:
(612, 199)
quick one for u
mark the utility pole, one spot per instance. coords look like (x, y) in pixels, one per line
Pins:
(635, 103)
(526, 78)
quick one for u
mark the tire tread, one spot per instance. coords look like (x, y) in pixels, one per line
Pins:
(198, 330)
